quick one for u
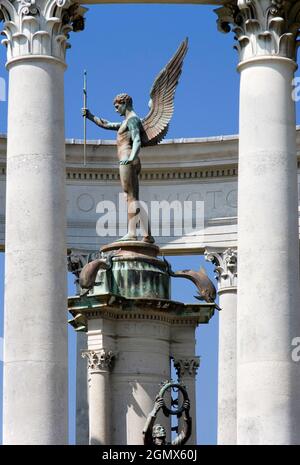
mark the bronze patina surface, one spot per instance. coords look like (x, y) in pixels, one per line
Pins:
(134, 133)
(132, 269)
(136, 272)
(135, 286)
(154, 433)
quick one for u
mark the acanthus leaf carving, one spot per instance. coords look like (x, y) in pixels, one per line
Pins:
(262, 28)
(186, 366)
(225, 262)
(99, 360)
(39, 27)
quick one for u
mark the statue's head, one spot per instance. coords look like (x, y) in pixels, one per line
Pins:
(159, 435)
(122, 102)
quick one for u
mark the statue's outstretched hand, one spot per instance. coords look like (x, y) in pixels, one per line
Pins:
(85, 112)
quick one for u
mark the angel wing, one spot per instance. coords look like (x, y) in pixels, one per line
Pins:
(156, 123)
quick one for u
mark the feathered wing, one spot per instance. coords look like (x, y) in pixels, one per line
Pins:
(156, 123)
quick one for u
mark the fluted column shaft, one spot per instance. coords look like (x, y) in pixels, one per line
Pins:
(76, 262)
(226, 274)
(186, 363)
(99, 365)
(186, 369)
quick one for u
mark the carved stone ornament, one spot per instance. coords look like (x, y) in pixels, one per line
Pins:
(76, 261)
(39, 27)
(101, 360)
(225, 267)
(262, 27)
(186, 366)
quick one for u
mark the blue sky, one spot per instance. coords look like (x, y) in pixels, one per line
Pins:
(123, 48)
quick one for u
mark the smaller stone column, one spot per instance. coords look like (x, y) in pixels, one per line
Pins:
(186, 369)
(82, 404)
(76, 261)
(226, 271)
(99, 365)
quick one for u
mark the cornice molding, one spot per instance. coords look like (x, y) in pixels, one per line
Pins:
(204, 159)
(151, 175)
(140, 315)
(113, 307)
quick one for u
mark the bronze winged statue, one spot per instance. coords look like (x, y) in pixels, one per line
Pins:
(134, 133)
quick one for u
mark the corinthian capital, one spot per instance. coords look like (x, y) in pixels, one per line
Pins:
(186, 366)
(98, 361)
(262, 27)
(225, 262)
(39, 27)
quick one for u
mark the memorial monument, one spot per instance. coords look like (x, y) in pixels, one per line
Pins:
(259, 394)
(129, 282)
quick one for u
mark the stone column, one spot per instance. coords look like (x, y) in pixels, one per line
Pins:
(186, 363)
(226, 274)
(268, 382)
(82, 404)
(186, 369)
(99, 365)
(35, 353)
(76, 261)
(143, 363)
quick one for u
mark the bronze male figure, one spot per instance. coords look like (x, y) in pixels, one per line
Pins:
(155, 434)
(134, 133)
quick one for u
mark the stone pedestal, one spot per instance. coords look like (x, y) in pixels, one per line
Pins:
(136, 272)
(143, 329)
